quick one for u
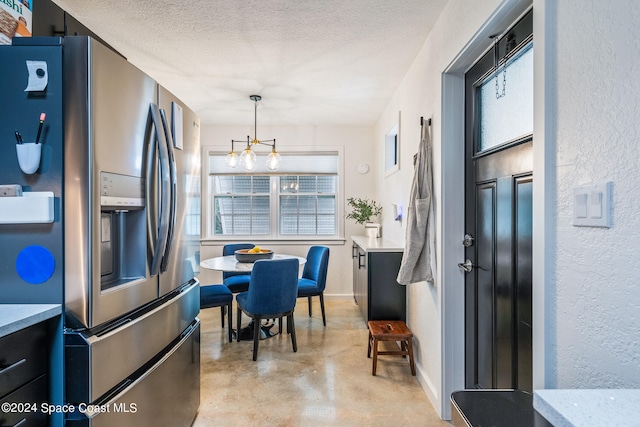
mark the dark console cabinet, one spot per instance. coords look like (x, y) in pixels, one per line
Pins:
(375, 289)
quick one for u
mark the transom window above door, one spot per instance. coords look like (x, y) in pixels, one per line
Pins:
(499, 91)
(509, 117)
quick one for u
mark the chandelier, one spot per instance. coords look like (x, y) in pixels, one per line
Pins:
(248, 157)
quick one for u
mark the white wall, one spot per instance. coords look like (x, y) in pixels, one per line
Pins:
(593, 317)
(355, 142)
(586, 297)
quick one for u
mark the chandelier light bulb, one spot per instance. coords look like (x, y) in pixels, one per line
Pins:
(273, 161)
(232, 160)
(248, 159)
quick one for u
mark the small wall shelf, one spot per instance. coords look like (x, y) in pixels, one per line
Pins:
(30, 208)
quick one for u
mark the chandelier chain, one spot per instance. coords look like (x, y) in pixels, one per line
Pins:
(504, 67)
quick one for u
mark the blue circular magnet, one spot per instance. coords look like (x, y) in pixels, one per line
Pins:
(35, 264)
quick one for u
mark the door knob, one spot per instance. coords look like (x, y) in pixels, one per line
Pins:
(467, 266)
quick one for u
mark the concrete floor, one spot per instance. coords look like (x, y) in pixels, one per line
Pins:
(328, 382)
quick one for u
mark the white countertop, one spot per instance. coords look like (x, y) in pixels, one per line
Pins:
(14, 317)
(589, 407)
(371, 244)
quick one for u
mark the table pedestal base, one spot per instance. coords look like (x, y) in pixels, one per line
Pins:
(246, 333)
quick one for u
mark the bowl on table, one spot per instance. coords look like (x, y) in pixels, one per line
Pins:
(244, 255)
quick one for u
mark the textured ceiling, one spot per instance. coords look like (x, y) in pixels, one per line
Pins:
(324, 62)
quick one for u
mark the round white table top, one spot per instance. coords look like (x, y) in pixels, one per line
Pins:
(230, 264)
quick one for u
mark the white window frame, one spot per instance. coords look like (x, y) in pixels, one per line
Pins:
(207, 196)
(193, 194)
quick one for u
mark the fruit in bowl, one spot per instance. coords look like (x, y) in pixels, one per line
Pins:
(253, 254)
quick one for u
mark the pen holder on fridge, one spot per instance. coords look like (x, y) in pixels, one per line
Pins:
(29, 156)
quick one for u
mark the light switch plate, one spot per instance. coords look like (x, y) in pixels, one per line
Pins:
(592, 205)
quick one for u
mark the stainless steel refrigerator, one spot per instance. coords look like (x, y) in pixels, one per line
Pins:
(122, 155)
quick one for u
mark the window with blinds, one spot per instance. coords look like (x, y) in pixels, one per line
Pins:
(298, 200)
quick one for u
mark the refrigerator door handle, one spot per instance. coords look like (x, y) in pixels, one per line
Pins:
(165, 189)
(173, 189)
(150, 190)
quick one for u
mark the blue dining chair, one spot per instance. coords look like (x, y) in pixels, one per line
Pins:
(272, 294)
(214, 296)
(314, 277)
(236, 282)
(218, 296)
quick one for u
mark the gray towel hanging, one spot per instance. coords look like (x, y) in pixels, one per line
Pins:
(416, 260)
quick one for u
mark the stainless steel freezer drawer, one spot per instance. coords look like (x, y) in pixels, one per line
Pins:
(167, 394)
(97, 363)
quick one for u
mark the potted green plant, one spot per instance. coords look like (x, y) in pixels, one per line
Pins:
(362, 210)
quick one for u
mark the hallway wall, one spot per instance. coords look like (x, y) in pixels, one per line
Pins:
(460, 28)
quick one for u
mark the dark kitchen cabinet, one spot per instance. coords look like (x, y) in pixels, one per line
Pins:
(376, 263)
(48, 19)
(24, 374)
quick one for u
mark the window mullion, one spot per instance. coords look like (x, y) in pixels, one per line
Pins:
(274, 207)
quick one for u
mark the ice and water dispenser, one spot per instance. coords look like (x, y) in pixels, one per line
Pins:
(123, 229)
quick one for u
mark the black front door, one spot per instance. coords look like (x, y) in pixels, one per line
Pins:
(498, 216)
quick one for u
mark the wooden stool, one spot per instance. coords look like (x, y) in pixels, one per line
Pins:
(390, 330)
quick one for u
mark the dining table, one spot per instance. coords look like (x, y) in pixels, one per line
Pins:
(229, 264)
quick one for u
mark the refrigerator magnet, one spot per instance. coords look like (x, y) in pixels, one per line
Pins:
(35, 264)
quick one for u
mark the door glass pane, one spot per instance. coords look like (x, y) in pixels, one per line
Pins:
(509, 117)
